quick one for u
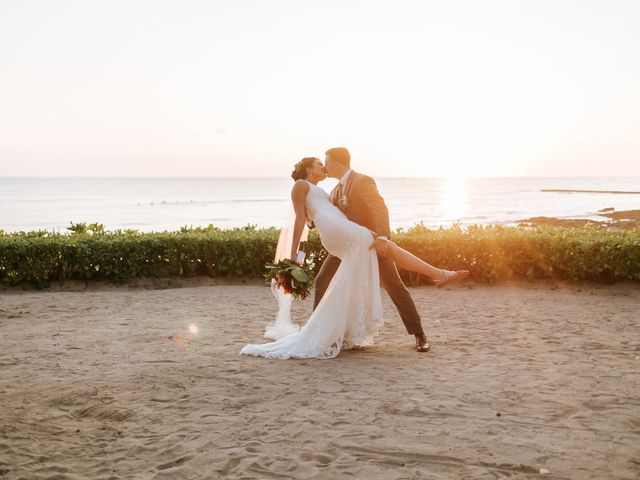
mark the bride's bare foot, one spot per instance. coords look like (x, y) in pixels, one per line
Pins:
(449, 277)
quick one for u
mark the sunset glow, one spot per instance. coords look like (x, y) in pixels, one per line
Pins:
(413, 88)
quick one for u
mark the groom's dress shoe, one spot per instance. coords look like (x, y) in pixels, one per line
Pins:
(422, 344)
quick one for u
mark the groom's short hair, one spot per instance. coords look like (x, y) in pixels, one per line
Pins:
(340, 155)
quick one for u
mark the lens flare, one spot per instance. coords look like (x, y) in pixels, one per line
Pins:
(193, 328)
(181, 342)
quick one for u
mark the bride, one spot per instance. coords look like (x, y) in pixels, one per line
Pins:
(350, 312)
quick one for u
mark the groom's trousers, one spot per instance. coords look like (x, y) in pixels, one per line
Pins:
(389, 280)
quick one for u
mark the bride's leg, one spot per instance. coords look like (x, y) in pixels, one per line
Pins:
(408, 261)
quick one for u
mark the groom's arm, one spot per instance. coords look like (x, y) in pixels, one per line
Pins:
(377, 208)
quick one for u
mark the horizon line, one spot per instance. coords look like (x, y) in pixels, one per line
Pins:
(230, 177)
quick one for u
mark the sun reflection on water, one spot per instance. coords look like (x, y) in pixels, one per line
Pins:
(453, 199)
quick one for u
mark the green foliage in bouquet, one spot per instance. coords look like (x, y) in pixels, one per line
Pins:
(294, 279)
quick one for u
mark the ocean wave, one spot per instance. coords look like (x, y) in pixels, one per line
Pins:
(217, 201)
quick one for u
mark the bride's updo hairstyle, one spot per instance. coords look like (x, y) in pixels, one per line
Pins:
(300, 169)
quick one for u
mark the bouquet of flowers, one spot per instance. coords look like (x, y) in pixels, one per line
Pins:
(294, 279)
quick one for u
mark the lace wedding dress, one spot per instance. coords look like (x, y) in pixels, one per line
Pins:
(350, 311)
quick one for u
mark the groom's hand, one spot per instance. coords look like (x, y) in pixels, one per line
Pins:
(381, 245)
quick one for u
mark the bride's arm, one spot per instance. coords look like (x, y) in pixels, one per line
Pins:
(298, 196)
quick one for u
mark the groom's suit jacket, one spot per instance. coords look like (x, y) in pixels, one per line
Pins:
(364, 205)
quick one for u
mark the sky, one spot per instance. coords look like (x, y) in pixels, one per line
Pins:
(206, 88)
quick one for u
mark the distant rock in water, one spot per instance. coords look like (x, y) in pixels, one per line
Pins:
(625, 215)
(565, 190)
(623, 219)
(608, 209)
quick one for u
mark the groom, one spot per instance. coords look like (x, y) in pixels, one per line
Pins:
(357, 196)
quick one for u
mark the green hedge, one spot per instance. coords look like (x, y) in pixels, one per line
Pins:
(492, 253)
(497, 253)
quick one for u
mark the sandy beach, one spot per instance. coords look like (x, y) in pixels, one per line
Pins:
(527, 380)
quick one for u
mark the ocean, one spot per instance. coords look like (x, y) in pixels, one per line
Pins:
(156, 204)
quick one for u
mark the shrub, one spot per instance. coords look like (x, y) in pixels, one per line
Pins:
(492, 253)
(498, 253)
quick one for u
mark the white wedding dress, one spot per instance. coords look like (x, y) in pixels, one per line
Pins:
(350, 311)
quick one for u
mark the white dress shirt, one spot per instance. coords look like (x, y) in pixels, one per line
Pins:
(345, 177)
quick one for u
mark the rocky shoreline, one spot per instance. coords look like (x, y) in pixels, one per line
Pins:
(624, 219)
